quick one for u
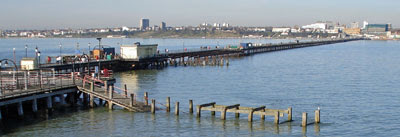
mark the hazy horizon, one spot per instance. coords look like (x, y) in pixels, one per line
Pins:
(48, 14)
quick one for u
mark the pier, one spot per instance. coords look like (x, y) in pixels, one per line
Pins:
(195, 57)
(90, 83)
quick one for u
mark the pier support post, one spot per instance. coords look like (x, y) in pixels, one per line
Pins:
(72, 98)
(132, 102)
(105, 87)
(276, 120)
(223, 113)
(110, 103)
(49, 102)
(20, 109)
(250, 116)
(289, 114)
(168, 105)
(1, 117)
(262, 115)
(177, 108)
(126, 91)
(85, 99)
(34, 105)
(237, 114)
(91, 101)
(317, 116)
(62, 99)
(304, 119)
(153, 106)
(146, 98)
(191, 106)
(213, 112)
(198, 111)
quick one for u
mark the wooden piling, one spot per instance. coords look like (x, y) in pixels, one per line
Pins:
(198, 111)
(237, 114)
(276, 120)
(191, 106)
(146, 98)
(317, 116)
(177, 108)
(132, 102)
(213, 112)
(126, 91)
(290, 114)
(168, 104)
(91, 101)
(304, 119)
(49, 103)
(153, 106)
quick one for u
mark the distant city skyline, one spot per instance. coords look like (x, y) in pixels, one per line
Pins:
(49, 14)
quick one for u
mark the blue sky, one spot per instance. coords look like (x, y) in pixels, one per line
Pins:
(48, 14)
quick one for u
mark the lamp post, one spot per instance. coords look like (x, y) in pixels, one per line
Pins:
(15, 60)
(60, 53)
(16, 70)
(39, 58)
(89, 48)
(26, 51)
(36, 54)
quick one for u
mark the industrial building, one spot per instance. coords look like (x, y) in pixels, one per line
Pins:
(377, 27)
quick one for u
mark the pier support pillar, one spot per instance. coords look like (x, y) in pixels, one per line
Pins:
(153, 106)
(317, 116)
(168, 105)
(250, 116)
(146, 98)
(49, 103)
(20, 109)
(62, 99)
(72, 98)
(276, 120)
(34, 105)
(198, 109)
(223, 114)
(237, 114)
(177, 108)
(132, 101)
(110, 103)
(213, 112)
(290, 114)
(304, 119)
(191, 106)
(91, 101)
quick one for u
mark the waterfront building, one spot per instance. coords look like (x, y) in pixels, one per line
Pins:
(144, 24)
(163, 26)
(282, 30)
(352, 31)
(315, 26)
(138, 51)
(377, 27)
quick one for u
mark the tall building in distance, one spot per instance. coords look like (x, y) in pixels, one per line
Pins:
(144, 24)
(163, 26)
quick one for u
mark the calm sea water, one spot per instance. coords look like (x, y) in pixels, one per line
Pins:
(355, 84)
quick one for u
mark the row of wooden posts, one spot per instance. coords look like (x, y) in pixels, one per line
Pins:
(237, 109)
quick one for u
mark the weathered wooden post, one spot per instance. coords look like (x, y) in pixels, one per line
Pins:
(289, 114)
(132, 100)
(304, 119)
(105, 87)
(198, 109)
(49, 103)
(168, 105)
(177, 108)
(237, 114)
(276, 120)
(262, 115)
(250, 116)
(213, 112)
(126, 91)
(146, 98)
(153, 106)
(317, 116)
(110, 103)
(223, 113)
(191, 106)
